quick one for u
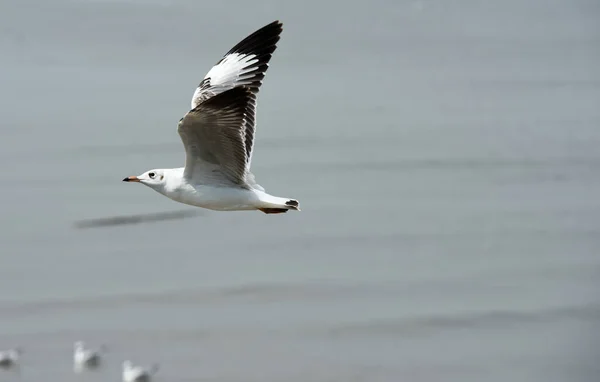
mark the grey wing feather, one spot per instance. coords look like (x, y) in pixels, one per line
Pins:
(214, 137)
(244, 65)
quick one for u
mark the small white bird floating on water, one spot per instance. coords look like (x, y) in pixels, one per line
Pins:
(218, 135)
(10, 358)
(86, 358)
(137, 373)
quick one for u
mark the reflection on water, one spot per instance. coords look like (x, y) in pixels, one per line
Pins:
(134, 219)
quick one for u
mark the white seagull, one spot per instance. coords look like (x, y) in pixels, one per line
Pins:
(137, 373)
(85, 358)
(9, 358)
(218, 135)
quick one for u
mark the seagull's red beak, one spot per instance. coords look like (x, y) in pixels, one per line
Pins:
(131, 179)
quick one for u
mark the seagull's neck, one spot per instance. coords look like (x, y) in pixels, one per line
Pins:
(176, 171)
(174, 181)
(174, 176)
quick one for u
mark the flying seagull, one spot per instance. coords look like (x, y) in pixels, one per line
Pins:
(218, 135)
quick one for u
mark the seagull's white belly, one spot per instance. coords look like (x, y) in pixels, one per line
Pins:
(216, 198)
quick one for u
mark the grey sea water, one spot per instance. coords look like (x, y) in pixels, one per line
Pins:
(445, 154)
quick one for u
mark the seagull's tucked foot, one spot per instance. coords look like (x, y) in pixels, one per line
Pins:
(274, 210)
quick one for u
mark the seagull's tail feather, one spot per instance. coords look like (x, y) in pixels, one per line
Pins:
(276, 205)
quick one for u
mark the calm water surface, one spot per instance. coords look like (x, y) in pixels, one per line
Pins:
(445, 155)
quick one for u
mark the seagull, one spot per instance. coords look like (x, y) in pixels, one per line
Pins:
(85, 358)
(137, 373)
(9, 358)
(218, 135)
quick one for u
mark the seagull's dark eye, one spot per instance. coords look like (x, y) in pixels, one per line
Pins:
(151, 175)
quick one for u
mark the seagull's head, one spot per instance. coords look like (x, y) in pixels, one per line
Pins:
(155, 179)
(78, 345)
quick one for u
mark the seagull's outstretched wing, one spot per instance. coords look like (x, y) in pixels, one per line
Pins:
(244, 65)
(214, 135)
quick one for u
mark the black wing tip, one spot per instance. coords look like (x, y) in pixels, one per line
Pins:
(261, 42)
(275, 25)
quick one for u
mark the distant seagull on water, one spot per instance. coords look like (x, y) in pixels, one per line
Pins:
(9, 358)
(85, 358)
(133, 373)
(218, 135)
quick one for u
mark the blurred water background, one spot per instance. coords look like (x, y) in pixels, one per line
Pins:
(445, 154)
